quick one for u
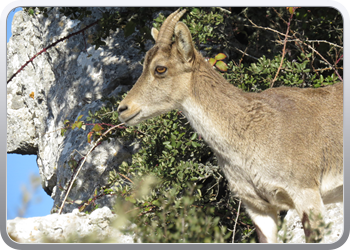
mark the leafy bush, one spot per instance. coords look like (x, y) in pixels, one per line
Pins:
(259, 76)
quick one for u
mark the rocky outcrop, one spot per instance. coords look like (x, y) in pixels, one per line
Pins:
(65, 82)
(100, 226)
(71, 227)
(294, 233)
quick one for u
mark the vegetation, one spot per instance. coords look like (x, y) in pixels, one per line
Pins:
(173, 189)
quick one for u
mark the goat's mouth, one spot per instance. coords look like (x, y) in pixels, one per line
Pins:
(128, 120)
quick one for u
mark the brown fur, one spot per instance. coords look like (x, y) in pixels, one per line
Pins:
(279, 149)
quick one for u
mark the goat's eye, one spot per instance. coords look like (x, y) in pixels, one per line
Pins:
(161, 69)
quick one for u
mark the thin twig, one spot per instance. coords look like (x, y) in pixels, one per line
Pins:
(126, 177)
(264, 28)
(82, 163)
(314, 50)
(298, 40)
(136, 208)
(284, 48)
(246, 54)
(329, 68)
(248, 235)
(324, 41)
(324, 59)
(338, 60)
(50, 46)
(87, 124)
(279, 15)
(315, 41)
(234, 227)
(224, 10)
(75, 150)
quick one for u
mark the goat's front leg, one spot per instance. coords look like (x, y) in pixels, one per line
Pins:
(265, 224)
(310, 208)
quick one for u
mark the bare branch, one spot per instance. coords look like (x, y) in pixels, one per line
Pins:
(246, 54)
(297, 40)
(284, 49)
(82, 163)
(223, 10)
(50, 46)
(234, 227)
(324, 59)
(315, 41)
(264, 28)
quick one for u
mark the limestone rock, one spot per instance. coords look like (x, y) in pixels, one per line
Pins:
(295, 233)
(97, 226)
(63, 83)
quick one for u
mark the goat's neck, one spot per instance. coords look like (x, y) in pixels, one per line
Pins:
(216, 109)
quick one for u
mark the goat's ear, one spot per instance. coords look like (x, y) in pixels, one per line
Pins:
(154, 33)
(183, 40)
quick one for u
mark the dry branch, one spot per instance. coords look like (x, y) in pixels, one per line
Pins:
(234, 228)
(50, 46)
(324, 59)
(284, 48)
(264, 28)
(82, 163)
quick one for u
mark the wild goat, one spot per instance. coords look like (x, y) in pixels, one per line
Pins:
(280, 149)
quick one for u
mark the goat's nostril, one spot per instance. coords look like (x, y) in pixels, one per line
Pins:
(121, 109)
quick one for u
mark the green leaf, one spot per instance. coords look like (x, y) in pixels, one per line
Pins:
(89, 136)
(212, 61)
(132, 199)
(195, 11)
(175, 125)
(97, 128)
(80, 124)
(195, 144)
(168, 146)
(221, 66)
(79, 117)
(321, 78)
(63, 131)
(220, 56)
(156, 203)
(291, 10)
(193, 137)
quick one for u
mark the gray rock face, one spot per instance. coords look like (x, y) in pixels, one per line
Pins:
(294, 233)
(96, 226)
(63, 83)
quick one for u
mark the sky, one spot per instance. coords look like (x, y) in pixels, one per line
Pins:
(20, 169)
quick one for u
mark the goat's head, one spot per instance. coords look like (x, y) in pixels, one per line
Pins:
(167, 69)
